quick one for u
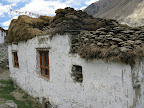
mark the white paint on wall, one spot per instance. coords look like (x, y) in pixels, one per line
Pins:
(2, 36)
(105, 85)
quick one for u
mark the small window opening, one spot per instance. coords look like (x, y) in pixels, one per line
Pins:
(16, 63)
(44, 63)
(77, 73)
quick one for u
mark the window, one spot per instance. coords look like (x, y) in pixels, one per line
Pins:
(44, 63)
(77, 73)
(16, 63)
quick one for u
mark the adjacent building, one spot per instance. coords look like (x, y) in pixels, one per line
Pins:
(2, 35)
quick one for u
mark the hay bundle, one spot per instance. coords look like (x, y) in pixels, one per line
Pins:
(26, 27)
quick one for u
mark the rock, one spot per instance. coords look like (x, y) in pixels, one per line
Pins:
(96, 38)
(138, 42)
(108, 35)
(11, 104)
(100, 44)
(119, 28)
(123, 49)
(106, 43)
(103, 33)
(138, 32)
(117, 39)
(128, 32)
(109, 38)
(86, 40)
(101, 29)
(111, 33)
(92, 44)
(130, 42)
(101, 36)
(113, 46)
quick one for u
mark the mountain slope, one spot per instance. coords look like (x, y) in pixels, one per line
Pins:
(130, 12)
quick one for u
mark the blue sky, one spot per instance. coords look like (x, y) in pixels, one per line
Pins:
(11, 9)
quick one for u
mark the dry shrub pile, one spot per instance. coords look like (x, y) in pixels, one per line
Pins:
(108, 54)
(26, 27)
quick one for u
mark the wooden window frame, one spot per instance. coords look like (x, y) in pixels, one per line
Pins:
(44, 65)
(16, 62)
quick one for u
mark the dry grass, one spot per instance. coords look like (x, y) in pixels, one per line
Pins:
(107, 54)
(26, 27)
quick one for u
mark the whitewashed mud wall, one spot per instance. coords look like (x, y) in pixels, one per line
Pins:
(105, 85)
(2, 35)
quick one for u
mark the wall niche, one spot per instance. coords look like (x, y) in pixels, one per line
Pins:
(77, 73)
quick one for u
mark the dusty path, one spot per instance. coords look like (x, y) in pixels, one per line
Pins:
(9, 91)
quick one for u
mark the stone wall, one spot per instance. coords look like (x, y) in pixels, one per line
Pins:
(2, 36)
(3, 56)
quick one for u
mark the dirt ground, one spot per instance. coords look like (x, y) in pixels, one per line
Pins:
(14, 93)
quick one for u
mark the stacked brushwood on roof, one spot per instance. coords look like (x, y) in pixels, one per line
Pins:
(26, 27)
(91, 38)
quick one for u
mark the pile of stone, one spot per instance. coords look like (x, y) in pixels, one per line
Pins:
(117, 37)
(116, 43)
(69, 20)
(3, 56)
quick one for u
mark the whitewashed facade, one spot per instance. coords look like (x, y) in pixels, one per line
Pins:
(105, 85)
(2, 35)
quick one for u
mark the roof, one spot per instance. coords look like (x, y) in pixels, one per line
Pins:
(92, 38)
(3, 29)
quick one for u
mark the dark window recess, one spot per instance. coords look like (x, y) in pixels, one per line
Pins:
(77, 73)
(16, 62)
(44, 63)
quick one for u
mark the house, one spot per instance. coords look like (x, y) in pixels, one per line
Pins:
(2, 35)
(76, 61)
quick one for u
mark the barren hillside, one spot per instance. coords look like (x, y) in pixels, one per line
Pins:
(130, 12)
